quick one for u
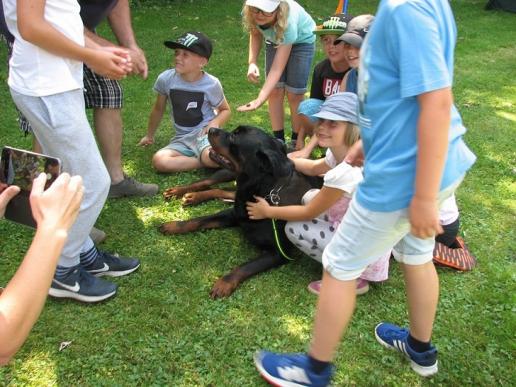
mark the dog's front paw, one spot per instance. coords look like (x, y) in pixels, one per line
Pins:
(174, 193)
(224, 287)
(193, 198)
(171, 228)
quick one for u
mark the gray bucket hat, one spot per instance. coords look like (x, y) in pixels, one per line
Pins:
(340, 107)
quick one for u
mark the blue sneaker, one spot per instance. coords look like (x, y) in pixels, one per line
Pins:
(82, 286)
(393, 337)
(111, 265)
(290, 370)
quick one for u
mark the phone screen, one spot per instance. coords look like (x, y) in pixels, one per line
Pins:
(20, 167)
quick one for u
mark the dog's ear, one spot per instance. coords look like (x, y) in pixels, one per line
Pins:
(274, 161)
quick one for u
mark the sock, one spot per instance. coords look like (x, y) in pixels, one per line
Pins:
(416, 345)
(62, 271)
(279, 134)
(318, 366)
(89, 256)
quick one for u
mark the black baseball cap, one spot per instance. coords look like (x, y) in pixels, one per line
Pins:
(333, 25)
(193, 41)
(357, 29)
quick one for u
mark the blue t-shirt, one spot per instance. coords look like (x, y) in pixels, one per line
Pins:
(408, 52)
(300, 27)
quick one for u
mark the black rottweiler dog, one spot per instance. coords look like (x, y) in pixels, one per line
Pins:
(262, 168)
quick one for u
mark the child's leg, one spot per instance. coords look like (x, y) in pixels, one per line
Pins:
(276, 111)
(422, 286)
(59, 121)
(334, 310)
(294, 100)
(169, 160)
(206, 161)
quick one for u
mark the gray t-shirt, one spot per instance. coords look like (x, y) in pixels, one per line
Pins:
(192, 103)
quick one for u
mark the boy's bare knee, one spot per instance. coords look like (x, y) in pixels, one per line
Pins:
(159, 164)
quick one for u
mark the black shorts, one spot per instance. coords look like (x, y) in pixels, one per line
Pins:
(101, 92)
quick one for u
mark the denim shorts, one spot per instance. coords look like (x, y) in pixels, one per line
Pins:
(295, 76)
(364, 236)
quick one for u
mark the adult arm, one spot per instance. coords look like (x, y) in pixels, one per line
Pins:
(278, 65)
(432, 141)
(54, 210)
(324, 199)
(34, 28)
(120, 21)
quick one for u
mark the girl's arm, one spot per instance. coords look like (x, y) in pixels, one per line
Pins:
(321, 202)
(35, 29)
(224, 112)
(278, 65)
(311, 167)
(255, 45)
(154, 119)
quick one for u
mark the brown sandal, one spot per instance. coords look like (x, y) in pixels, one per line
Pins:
(457, 258)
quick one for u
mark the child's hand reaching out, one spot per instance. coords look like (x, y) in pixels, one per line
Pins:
(258, 210)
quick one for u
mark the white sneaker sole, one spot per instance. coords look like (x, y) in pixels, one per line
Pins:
(63, 293)
(419, 369)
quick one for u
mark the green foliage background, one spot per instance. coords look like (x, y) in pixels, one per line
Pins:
(162, 328)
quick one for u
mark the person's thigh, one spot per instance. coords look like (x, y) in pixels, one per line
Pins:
(362, 238)
(298, 68)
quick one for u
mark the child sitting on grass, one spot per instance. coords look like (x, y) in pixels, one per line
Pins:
(197, 101)
(312, 224)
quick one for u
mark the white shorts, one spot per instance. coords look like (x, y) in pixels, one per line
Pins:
(364, 236)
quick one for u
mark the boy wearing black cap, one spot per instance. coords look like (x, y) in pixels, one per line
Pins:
(197, 102)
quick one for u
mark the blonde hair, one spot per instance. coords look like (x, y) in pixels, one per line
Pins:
(280, 25)
(352, 134)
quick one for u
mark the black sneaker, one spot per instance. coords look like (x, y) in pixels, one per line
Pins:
(82, 286)
(111, 265)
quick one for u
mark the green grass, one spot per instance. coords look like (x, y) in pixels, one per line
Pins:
(162, 328)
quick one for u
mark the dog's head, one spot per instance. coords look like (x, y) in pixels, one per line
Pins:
(249, 150)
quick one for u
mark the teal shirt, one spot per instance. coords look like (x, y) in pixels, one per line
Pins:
(300, 27)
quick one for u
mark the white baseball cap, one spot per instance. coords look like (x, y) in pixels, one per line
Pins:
(264, 5)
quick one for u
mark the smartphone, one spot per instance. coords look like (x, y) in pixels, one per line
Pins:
(20, 167)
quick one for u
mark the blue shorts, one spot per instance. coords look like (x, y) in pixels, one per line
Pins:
(364, 236)
(189, 146)
(297, 70)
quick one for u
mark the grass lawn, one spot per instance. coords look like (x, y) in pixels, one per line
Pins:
(163, 329)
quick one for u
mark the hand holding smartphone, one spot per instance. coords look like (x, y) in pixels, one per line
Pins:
(20, 167)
